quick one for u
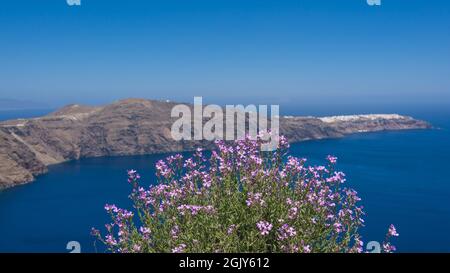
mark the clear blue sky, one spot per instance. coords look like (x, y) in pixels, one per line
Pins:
(259, 51)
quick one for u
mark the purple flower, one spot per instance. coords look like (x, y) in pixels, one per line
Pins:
(174, 232)
(293, 213)
(264, 227)
(179, 249)
(163, 170)
(332, 159)
(285, 232)
(133, 176)
(338, 227)
(392, 231)
(231, 229)
(195, 209)
(304, 203)
(110, 240)
(254, 198)
(359, 245)
(337, 178)
(307, 249)
(111, 208)
(389, 248)
(145, 231)
(95, 232)
(136, 248)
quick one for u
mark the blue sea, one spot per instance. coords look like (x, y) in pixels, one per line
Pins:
(401, 176)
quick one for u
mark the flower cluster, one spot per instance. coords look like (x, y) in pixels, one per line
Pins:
(264, 227)
(240, 199)
(387, 246)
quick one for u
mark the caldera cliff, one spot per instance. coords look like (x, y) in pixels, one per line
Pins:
(137, 127)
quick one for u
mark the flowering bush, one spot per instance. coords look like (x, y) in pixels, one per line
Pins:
(240, 199)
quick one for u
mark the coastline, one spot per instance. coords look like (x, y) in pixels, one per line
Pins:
(142, 127)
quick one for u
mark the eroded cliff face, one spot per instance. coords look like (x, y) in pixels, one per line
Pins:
(135, 127)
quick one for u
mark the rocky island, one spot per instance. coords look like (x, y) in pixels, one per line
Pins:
(137, 127)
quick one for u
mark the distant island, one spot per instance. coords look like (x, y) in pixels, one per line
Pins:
(138, 127)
